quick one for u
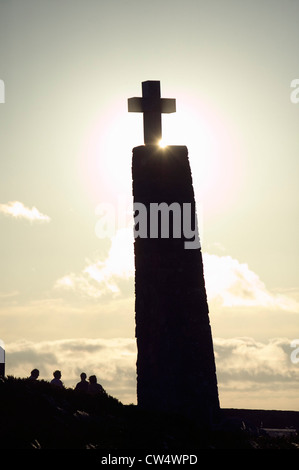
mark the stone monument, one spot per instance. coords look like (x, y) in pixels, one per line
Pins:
(175, 358)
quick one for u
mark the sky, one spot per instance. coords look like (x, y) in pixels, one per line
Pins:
(67, 68)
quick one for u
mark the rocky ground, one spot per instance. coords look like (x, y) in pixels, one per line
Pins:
(35, 415)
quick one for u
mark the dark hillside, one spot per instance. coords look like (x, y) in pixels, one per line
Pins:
(35, 415)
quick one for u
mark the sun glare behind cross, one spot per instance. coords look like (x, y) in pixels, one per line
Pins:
(162, 143)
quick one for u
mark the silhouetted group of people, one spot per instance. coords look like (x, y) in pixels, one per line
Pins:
(91, 386)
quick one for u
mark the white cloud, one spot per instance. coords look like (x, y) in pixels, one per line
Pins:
(247, 359)
(233, 284)
(113, 276)
(253, 374)
(229, 283)
(18, 210)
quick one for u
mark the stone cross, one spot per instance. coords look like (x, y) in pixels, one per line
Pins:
(152, 106)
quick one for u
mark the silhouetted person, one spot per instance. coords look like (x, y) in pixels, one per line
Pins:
(56, 381)
(34, 374)
(82, 386)
(93, 387)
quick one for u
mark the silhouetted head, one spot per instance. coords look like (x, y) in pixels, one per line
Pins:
(34, 373)
(57, 374)
(93, 379)
(83, 376)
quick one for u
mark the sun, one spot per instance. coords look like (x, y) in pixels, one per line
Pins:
(214, 156)
(162, 143)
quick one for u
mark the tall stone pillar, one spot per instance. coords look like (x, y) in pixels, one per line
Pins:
(175, 363)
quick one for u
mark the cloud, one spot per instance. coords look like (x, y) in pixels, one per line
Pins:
(229, 283)
(112, 277)
(245, 359)
(254, 374)
(18, 210)
(234, 284)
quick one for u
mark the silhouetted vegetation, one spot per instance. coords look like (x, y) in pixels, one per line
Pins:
(36, 415)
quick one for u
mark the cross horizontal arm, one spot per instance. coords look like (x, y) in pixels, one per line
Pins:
(147, 105)
(135, 105)
(168, 105)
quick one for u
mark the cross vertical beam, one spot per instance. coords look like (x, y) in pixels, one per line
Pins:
(152, 119)
(152, 106)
